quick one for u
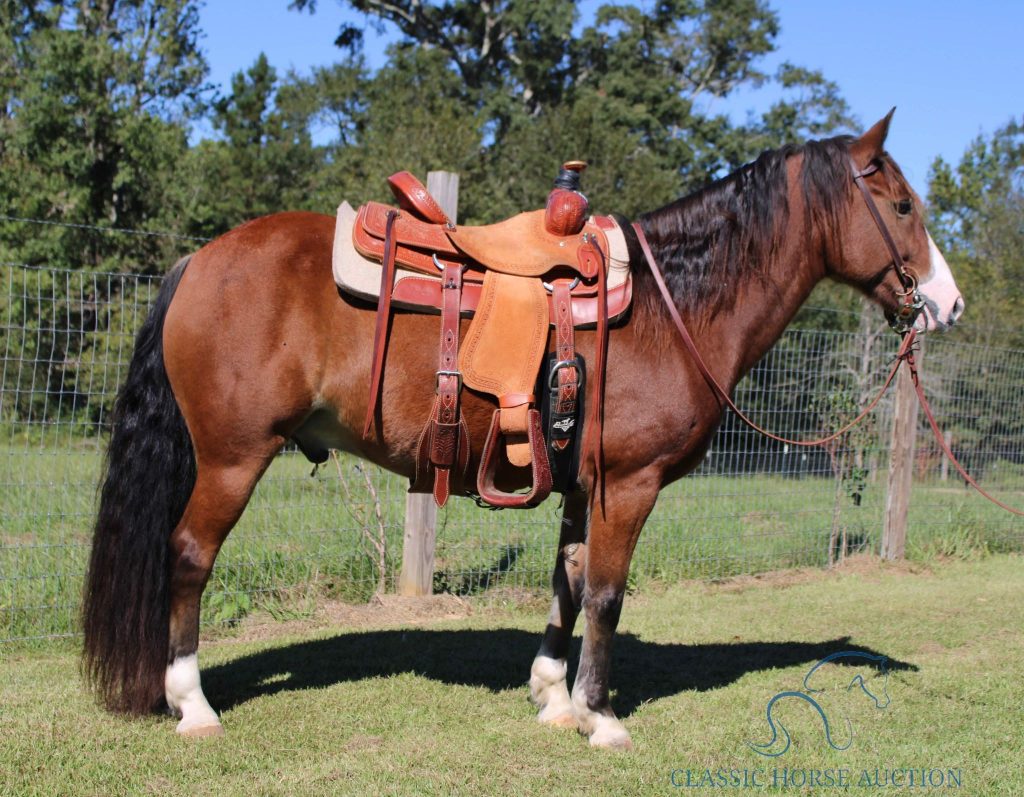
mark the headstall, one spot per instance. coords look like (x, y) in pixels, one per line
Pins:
(913, 302)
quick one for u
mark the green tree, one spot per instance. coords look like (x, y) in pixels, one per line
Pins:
(977, 210)
(407, 115)
(977, 220)
(264, 160)
(96, 97)
(633, 92)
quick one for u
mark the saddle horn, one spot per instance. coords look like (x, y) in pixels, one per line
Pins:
(567, 208)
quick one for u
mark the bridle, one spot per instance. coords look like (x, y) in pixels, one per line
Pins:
(913, 302)
(902, 322)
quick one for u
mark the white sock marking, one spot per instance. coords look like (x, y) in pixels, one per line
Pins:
(548, 690)
(185, 695)
(604, 730)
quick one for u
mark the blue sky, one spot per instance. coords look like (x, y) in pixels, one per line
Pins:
(952, 69)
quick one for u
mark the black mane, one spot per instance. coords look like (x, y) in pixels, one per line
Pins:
(708, 242)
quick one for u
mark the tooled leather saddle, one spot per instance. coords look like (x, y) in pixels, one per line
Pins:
(517, 278)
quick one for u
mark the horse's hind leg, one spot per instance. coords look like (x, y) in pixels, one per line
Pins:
(611, 537)
(548, 689)
(220, 494)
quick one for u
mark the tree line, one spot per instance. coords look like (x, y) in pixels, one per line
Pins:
(101, 101)
(104, 103)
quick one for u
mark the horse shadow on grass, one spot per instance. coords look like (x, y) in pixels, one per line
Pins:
(499, 659)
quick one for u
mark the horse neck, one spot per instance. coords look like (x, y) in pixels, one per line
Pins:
(750, 322)
(748, 328)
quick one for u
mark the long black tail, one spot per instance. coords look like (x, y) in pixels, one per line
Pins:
(149, 474)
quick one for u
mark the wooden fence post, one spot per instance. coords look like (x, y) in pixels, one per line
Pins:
(901, 466)
(417, 577)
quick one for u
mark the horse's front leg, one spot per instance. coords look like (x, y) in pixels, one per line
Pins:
(548, 689)
(611, 538)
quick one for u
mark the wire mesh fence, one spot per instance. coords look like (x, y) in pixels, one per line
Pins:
(752, 505)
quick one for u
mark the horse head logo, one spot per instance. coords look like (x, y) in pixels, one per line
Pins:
(880, 698)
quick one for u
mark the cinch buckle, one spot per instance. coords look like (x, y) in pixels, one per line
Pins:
(441, 266)
(439, 374)
(574, 364)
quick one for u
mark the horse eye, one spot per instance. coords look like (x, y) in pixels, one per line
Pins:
(904, 207)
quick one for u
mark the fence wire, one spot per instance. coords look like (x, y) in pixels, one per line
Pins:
(752, 505)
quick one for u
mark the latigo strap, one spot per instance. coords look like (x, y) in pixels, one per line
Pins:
(380, 334)
(445, 424)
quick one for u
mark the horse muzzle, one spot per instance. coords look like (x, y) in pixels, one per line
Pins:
(943, 303)
(933, 317)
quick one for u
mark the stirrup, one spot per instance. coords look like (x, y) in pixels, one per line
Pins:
(540, 468)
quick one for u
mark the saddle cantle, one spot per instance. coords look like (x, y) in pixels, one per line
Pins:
(517, 279)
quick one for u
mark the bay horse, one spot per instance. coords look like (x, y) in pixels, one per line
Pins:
(250, 344)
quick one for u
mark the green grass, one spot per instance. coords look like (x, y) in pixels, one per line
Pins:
(441, 708)
(302, 538)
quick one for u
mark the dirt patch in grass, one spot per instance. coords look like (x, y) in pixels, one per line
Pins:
(858, 564)
(159, 785)
(17, 540)
(538, 598)
(362, 742)
(382, 611)
(869, 564)
(386, 610)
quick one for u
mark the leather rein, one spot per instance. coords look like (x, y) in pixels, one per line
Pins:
(902, 322)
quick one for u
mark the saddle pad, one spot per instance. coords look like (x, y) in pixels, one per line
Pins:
(356, 275)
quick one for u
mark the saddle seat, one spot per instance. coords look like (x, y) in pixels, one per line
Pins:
(522, 245)
(516, 279)
(519, 246)
(359, 256)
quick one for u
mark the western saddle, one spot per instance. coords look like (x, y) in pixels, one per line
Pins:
(539, 269)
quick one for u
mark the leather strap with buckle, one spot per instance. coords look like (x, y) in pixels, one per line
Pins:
(903, 319)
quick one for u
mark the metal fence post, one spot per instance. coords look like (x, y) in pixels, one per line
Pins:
(417, 577)
(901, 466)
(944, 467)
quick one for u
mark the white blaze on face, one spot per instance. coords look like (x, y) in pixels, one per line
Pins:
(943, 304)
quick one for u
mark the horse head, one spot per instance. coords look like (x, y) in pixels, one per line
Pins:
(884, 248)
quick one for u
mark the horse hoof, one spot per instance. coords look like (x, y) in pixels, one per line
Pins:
(201, 731)
(611, 739)
(564, 720)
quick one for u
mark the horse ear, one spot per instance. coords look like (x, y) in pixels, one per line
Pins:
(871, 145)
